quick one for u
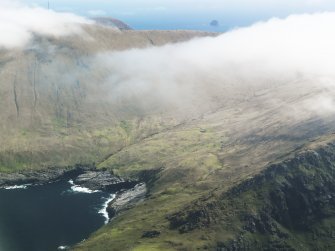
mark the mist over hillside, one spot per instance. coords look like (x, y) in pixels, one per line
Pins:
(53, 86)
(193, 114)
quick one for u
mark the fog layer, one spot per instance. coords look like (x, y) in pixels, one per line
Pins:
(287, 58)
(18, 23)
(296, 53)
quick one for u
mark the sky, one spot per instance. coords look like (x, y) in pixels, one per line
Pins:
(188, 14)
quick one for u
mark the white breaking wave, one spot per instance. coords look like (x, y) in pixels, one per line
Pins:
(79, 189)
(103, 210)
(62, 247)
(17, 187)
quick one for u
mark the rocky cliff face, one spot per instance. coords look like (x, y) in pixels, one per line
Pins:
(288, 206)
(126, 199)
(85, 176)
(103, 180)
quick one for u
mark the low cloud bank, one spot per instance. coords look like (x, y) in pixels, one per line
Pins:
(18, 24)
(242, 62)
(270, 62)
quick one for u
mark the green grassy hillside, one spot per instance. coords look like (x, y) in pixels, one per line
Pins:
(199, 204)
(55, 111)
(218, 169)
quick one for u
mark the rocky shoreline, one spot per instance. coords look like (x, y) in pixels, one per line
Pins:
(103, 180)
(126, 199)
(40, 177)
(124, 193)
(127, 192)
(85, 176)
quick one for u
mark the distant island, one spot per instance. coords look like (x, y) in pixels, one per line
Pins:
(214, 23)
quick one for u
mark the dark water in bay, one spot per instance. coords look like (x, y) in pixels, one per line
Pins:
(42, 218)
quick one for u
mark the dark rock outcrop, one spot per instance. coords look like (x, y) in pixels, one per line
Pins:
(126, 199)
(186, 221)
(288, 206)
(40, 177)
(151, 234)
(103, 180)
(85, 176)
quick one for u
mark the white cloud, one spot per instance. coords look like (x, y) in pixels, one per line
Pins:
(203, 70)
(266, 54)
(18, 23)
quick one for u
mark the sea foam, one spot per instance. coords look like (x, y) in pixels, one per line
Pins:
(103, 210)
(25, 186)
(80, 189)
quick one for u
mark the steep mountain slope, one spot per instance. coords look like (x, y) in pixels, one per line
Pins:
(288, 206)
(195, 172)
(53, 111)
(227, 167)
